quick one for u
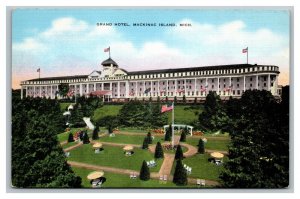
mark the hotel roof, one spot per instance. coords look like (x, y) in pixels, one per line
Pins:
(170, 70)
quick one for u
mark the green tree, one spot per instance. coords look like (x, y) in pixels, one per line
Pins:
(145, 143)
(179, 153)
(168, 134)
(159, 152)
(255, 161)
(85, 138)
(183, 136)
(70, 138)
(180, 175)
(95, 135)
(144, 173)
(184, 99)
(63, 89)
(201, 146)
(149, 138)
(213, 117)
(35, 146)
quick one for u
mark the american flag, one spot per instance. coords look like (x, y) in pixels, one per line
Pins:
(70, 93)
(167, 107)
(180, 90)
(147, 90)
(203, 89)
(163, 90)
(38, 70)
(107, 49)
(245, 50)
(131, 93)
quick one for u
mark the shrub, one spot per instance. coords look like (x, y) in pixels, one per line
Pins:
(149, 138)
(144, 173)
(145, 143)
(201, 148)
(180, 175)
(183, 136)
(85, 138)
(159, 153)
(179, 153)
(70, 138)
(95, 135)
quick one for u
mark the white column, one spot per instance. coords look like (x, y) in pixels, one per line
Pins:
(40, 91)
(195, 87)
(80, 89)
(102, 87)
(94, 86)
(151, 88)
(47, 91)
(136, 90)
(276, 81)
(268, 82)
(218, 85)
(229, 91)
(176, 87)
(257, 82)
(244, 83)
(87, 88)
(206, 85)
(26, 91)
(51, 95)
(110, 87)
(144, 88)
(118, 90)
(21, 92)
(185, 87)
(158, 88)
(167, 88)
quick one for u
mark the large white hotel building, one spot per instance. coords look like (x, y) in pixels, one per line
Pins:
(116, 84)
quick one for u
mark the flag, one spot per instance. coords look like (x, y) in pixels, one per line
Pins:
(163, 90)
(180, 90)
(38, 70)
(245, 50)
(70, 93)
(147, 90)
(107, 49)
(131, 93)
(202, 89)
(167, 107)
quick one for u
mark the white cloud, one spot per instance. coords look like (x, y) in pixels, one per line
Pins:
(74, 45)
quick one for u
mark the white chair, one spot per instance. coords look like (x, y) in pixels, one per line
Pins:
(148, 163)
(134, 175)
(131, 175)
(198, 182)
(165, 177)
(161, 177)
(202, 182)
(67, 154)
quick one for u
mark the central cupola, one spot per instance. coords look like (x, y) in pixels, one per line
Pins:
(109, 67)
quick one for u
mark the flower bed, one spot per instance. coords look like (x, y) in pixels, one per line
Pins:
(200, 133)
(158, 131)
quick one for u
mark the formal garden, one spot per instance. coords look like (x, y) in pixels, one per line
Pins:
(125, 145)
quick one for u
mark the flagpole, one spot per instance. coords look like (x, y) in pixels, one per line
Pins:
(173, 125)
(247, 54)
(109, 52)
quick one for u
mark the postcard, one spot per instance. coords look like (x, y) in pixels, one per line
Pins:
(158, 98)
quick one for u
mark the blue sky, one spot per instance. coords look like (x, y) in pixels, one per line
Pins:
(68, 42)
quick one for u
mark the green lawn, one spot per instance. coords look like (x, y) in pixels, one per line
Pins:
(113, 156)
(69, 144)
(133, 130)
(221, 145)
(114, 180)
(201, 168)
(185, 114)
(64, 105)
(129, 139)
(105, 111)
(64, 136)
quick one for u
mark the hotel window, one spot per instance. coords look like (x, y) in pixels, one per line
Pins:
(265, 84)
(233, 92)
(212, 81)
(224, 85)
(153, 83)
(163, 83)
(250, 85)
(250, 79)
(238, 92)
(265, 78)
(212, 86)
(238, 85)
(237, 79)
(190, 87)
(272, 84)
(224, 80)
